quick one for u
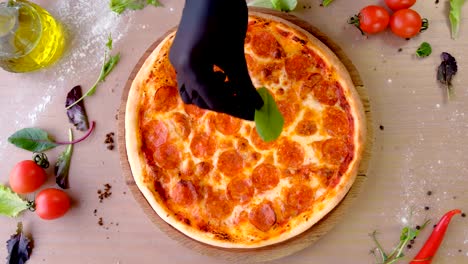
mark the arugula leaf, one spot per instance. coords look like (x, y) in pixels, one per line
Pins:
(447, 69)
(326, 2)
(62, 166)
(109, 42)
(19, 247)
(455, 15)
(77, 114)
(119, 6)
(32, 139)
(424, 50)
(268, 120)
(107, 67)
(281, 5)
(10, 203)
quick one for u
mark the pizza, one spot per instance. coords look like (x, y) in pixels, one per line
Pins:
(210, 175)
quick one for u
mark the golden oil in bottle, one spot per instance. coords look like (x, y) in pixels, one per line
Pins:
(30, 38)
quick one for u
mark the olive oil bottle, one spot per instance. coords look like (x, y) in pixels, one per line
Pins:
(30, 38)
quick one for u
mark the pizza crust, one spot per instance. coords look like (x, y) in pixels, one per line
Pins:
(138, 165)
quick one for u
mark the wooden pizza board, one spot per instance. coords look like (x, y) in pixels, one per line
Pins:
(292, 245)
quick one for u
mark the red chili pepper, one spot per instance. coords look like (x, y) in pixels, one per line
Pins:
(428, 251)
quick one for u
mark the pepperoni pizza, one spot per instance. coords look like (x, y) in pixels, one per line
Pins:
(211, 176)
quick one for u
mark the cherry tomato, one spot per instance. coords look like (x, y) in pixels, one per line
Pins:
(27, 177)
(399, 4)
(52, 203)
(406, 23)
(373, 19)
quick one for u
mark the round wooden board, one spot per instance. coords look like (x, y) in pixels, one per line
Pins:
(290, 246)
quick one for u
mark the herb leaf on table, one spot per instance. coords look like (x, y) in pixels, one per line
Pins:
(38, 140)
(62, 166)
(447, 69)
(326, 2)
(77, 114)
(10, 202)
(107, 66)
(424, 50)
(281, 5)
(19, 247)
(119, 6)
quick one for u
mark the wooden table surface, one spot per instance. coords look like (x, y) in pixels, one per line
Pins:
(420, 139)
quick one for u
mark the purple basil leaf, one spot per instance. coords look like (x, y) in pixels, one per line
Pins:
(19, 247)
(77, 114)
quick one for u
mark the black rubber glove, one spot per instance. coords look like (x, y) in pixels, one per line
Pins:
(212, 32)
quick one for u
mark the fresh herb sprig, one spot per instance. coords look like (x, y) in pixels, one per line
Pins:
(107, 66)
(446, 71)
(281, 5)
(62, 166)
(407, 234)
(38, 140)
(119, 6)
(326, 2)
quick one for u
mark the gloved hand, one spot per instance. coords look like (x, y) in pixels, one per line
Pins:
(212, 32)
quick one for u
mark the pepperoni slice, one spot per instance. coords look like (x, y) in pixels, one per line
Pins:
(290, 153)
(271, 72)
(259, 143)
(155, 134)
(165, 99)
(203, 168)
(184, 193)
(217, 205)
(194, 111)
(334, 151)
(240, 190)
(264, 44)
(203, 145)
(326, 92)
(263, 216)
(289, 110)
(306, 127)
(230, 163)
(309, 84)
(265, 177)
(297, 65)
(167, 156)
(300, 198)
(335, 122)
(226, 124)
(182, 125)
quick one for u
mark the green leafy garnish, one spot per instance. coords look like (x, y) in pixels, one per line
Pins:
(326, 2)
(268, 120)
(119, 6)
(282, 5)
(19, 247)
(10, 203)
(38, 140)
(424, 50)
(32, 139)
(407, 234)
(62, 166)
(455, 15)
(109, 42)
(107, 66)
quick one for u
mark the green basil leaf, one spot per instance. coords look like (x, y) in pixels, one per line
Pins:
(119, 6)
(10, 203)
(62, 166)
(284, 5)
(268, 120)
(455, 16)
(326, 2)
(261, 3)
(424, 50)
(19, 247)
(32, 139)
(154, 2)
